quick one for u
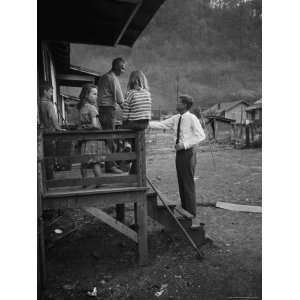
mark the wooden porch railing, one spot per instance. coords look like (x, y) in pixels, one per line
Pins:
(65, 188)
(63, 146)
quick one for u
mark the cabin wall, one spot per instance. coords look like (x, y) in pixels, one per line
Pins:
(237, 113)
(223, 131)
(258, 115)
(255, 115)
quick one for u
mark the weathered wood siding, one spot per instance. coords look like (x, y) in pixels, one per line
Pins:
(223, 130)
(237, 113)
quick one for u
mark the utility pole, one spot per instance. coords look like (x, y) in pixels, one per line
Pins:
(177, 88)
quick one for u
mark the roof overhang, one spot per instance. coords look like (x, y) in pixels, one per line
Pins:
(100, 22)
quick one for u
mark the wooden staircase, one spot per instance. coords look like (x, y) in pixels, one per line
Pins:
(158, 212)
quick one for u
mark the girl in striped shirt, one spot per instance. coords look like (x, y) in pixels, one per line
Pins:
(137, 105)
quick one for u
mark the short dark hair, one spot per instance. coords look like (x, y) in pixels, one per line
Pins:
(187, 100)
(45, 86)
(116, 62)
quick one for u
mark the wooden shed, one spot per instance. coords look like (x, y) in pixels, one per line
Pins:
(221, 129)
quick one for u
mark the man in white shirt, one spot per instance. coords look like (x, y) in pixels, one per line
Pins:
(188, 133)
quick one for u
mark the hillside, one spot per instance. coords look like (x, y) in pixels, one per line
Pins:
(214, 49)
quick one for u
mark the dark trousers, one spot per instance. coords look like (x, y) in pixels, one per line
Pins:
(185, 166)
(107, 116)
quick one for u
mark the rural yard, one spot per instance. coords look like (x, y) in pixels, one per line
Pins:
(95, 255)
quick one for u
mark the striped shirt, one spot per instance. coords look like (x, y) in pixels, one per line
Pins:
(137, 105)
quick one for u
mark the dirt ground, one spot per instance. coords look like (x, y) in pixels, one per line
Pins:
(95, 255)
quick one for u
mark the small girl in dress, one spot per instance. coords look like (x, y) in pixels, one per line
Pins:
(89, 120)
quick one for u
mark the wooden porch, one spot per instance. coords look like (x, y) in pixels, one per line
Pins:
(65, 189)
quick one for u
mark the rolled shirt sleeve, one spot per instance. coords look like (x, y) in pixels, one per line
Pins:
(165, 124)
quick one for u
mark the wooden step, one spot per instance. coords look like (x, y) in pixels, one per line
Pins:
(186, 222)
(152, 196)
(182, 212)
(171, 204)
(159, 213)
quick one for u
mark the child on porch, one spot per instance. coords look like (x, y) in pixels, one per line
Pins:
(49, 123)
(137, 106)
(89, 120)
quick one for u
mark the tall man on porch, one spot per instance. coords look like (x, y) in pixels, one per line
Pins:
(188, 133)
(109, 96)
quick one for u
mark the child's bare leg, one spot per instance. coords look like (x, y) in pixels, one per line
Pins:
(97, 172)
(83, 171)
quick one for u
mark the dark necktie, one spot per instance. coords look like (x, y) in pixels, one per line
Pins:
(178, 130)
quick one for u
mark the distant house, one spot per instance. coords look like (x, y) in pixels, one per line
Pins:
(219, 128)
(254, 112)
(235, 110)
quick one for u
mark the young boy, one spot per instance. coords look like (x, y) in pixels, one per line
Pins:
(49, 123)
(48, 115)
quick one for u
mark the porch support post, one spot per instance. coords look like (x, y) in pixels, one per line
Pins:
(42, 274)
(142, 230)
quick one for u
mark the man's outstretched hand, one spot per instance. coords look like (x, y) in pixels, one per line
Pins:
(179, 146)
